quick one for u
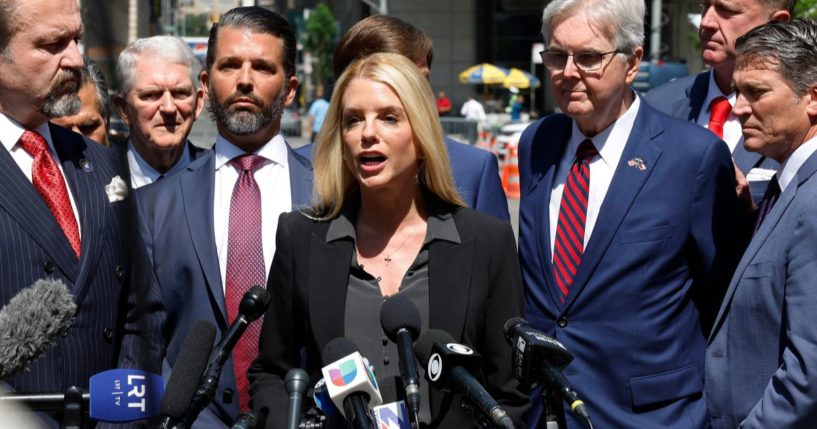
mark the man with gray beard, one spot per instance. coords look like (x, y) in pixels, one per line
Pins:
(65, 214)
(210, 229)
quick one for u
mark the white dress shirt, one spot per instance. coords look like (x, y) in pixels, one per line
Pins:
(732, 130)
(142, 173)
(10, 133)
(788, 170)
(610, 143)
(276, 196)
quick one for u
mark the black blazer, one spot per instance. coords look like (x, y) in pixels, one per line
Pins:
(474, 288)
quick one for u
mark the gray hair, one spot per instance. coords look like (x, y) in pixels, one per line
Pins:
(626, 17)
(788, 47)
(166, 48)
(92, 74)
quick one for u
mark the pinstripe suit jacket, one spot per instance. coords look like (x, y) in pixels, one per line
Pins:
(105, 281)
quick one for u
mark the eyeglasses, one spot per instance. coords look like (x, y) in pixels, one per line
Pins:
(584, 61)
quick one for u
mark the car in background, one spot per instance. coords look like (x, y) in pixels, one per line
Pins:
(509, 135)
(655, 73)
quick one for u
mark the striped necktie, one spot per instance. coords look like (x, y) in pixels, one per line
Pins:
(569, 243)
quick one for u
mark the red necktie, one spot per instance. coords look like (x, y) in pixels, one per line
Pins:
(569, 244)
(48, 181)
(718, 112)
(245, 264)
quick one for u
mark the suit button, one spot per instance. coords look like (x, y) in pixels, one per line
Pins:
(562, 322)
(717, 353)
(49, 267)
(119, 271)
(108, 334)
(227, 396)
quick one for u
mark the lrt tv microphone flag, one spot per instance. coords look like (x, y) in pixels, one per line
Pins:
(350, 374)
(124, 395)
(393, 415)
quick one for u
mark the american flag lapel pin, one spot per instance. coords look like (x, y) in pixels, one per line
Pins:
(637, 163)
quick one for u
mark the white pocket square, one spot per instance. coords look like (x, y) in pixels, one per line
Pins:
(117, 190)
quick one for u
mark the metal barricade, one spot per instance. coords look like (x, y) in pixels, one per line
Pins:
(461, 129)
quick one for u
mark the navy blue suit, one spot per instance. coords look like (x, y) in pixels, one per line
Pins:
(476, 175)
(761, 361)
(663, 242)
(177, 228)
(107, 281)
(684, 99)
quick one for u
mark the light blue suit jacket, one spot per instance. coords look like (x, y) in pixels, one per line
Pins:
(684, 99)
(176, 223)
(761, 360)
(652, 274)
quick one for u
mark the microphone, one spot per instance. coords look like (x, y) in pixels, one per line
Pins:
(253, 304)
(538, 358)
(115, 395)
(296, 384)
(401, 322)
(184, 379)
(321, 397)
(32, 321)
(350, 383)
(249, 420)
(449, 367)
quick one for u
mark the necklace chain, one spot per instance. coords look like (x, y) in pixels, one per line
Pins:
(388, 257)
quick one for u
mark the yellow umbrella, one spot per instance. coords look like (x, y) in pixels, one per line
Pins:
(520, 79)
(486, 74)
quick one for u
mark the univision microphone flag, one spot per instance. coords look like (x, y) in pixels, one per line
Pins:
(393, 415)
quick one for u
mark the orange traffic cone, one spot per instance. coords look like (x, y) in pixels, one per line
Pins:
(482, 141)
(510, 173)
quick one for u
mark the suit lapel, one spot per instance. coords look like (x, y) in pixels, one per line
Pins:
(804, 173)
(197, 195)
(23, 203)
(93, 206)
(448, 289)
(332, 261)
(625, 186)
(548, 149)
(696, 94)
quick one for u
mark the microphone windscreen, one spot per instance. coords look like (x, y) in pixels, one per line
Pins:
(514, 321)
(423, 345)
(187, 371)
(254, 303)
(32, 321)
(337, 349)
(399, 312)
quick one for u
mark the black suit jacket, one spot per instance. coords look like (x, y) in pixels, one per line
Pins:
(474, 288)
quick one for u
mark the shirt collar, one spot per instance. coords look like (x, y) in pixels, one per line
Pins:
(441, 225)
(11, 131)
(141, 169)
(610, 141)
(274, 150)
(788, 170)
(714, 92)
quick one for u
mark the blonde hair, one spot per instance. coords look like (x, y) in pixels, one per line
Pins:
(333, 181)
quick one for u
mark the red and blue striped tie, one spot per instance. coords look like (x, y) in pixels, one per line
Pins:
(569, 243)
